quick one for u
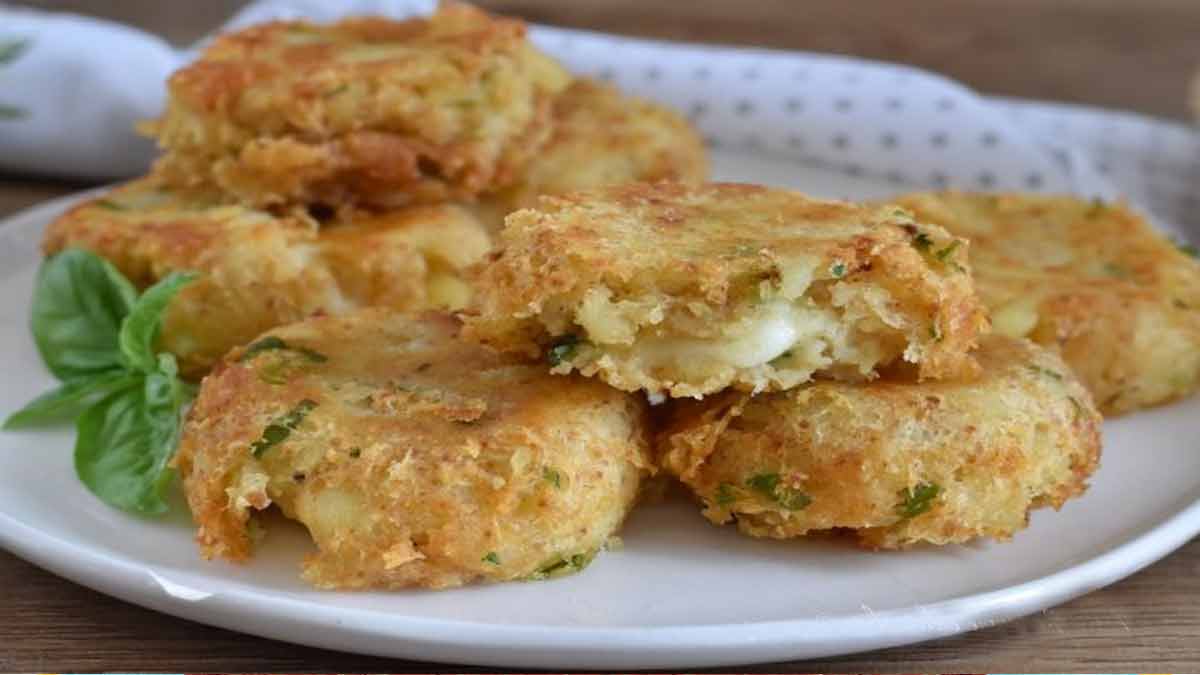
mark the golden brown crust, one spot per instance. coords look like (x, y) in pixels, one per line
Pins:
(1120, 302)
(418, 460)
(623, 266)
(369, 110)
(260, 270)
(602, 137)
(835, 455)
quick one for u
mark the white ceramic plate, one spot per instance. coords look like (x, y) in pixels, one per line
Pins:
(681, 593)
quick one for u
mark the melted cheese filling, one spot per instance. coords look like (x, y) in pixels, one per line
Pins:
(776, 329)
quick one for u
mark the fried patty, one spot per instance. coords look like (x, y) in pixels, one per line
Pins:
(897, 462)
(602, 137)
(259, 270)
(1094, 281)
(412, 457)
(685, 290)
(368, 110)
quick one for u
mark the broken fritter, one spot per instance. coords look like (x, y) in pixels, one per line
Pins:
(684, 290)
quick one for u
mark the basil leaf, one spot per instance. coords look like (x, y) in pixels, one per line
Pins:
(69, 400)
(125, 441)
(10, 50)
(78, 305)
(140, 328)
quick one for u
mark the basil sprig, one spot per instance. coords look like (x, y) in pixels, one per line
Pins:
(97, 336)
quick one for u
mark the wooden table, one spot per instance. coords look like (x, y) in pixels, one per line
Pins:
(1105, 52)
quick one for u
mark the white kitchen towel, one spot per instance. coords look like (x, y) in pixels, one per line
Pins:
(80, 84)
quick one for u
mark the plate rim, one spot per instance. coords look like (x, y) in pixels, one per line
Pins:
(544, 646)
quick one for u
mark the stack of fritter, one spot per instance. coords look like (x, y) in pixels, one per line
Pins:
(837, 352)
(821, 366)
(313, 169)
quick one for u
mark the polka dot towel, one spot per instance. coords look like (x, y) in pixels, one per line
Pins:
(912, 128)
(907, 127)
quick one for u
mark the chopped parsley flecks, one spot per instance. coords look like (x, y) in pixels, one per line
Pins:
(1052, 374)
(945, 253)
(769, 485)
(272, 343)
(110, 205)
(562, 566)
(922, 241)
(552, 476)
(726, 494)
(492, 558)
(918, 499)
(279, 430)
(781, 358)
(838, 269)
(563, 349)
(356, 452)
(1115, 270)
(935, 331)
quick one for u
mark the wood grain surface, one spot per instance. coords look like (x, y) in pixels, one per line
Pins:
(1133, 55)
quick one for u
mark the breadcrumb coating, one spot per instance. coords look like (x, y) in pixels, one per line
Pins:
(414, 459)
(259, 270)
(366, 110)
(898, 462)
(1094, 281)
(684, 290)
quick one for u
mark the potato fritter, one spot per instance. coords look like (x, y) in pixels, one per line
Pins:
(899, 462)
(602, 137)
(368, 110)
(260, 270)
(685, 290)
(1120, 302)
(413, 458)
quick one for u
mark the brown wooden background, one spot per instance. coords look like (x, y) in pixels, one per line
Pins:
(1137, 55)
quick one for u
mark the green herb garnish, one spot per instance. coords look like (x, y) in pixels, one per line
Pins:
(492, 558)
(922, 241)
(272, 343)
(945, 253)
(1115, 270)
(97, 336)
(563, 349)
(282, 427)
(552, 476)
(770, 485)
(837, 269)
(563, 566)
(1186, 248)
(917, 500)
(725, 494)
(110, 205)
